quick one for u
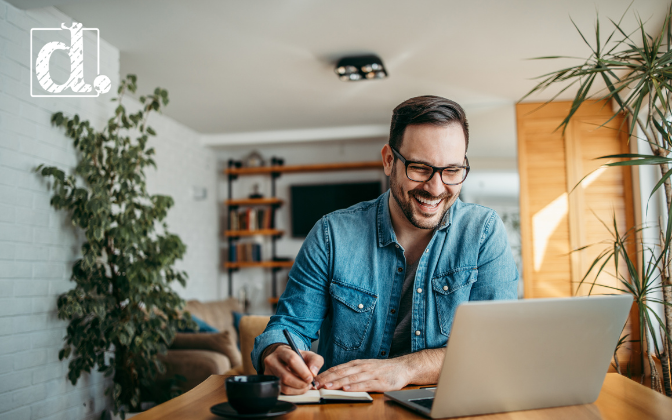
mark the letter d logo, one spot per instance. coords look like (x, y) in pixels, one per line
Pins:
(75, 81)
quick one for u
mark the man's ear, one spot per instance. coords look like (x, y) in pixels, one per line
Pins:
(388, 159)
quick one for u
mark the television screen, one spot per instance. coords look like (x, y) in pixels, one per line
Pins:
(310, 202)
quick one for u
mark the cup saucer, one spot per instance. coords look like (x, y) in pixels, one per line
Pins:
(225, 410)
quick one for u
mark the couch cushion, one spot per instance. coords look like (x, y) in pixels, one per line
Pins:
(220, 342)
(195, 365)
(216, 313)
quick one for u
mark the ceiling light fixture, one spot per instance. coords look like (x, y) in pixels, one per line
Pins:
(353, 68)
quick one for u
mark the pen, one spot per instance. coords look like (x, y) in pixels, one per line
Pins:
(296, 350)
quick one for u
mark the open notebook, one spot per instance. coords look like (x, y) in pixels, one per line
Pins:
(325, 396)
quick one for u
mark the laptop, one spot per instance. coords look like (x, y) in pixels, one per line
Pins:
(521, 355)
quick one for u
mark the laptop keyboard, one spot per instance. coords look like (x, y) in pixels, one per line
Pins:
(424, 402)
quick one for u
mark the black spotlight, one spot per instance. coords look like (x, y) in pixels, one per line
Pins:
(350, 69)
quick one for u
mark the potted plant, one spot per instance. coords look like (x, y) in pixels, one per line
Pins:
(122, 312)
(637, 73)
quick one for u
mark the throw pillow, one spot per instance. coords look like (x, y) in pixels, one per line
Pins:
(220, 342)
(203, 326)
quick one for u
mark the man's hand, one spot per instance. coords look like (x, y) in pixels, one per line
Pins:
(295, 376)
(374, 375)
(380, 375)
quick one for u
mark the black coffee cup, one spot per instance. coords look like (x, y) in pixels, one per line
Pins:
(252, 394)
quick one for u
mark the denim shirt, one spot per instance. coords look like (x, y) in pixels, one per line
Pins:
(346, 281)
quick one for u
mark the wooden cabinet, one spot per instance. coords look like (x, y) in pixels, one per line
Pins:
(557, 215)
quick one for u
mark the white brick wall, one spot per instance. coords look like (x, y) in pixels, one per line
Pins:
(38, 245)
(182, 165)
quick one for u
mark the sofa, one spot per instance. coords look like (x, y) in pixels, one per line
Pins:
(196, 356)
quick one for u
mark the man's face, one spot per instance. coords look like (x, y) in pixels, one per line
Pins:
(425, 203)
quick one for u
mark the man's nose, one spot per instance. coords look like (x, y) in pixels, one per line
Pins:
(435, 186)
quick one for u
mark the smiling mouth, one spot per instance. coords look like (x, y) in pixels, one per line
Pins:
(427, 205)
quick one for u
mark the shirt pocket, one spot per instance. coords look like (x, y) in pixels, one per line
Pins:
(352, 314)
(451, 289)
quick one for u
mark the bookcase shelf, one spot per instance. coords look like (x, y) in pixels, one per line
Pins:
(322, 167)
(259, 264)
(273, 203)
(263, 232)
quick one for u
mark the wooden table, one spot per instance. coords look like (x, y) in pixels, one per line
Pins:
(620, 399)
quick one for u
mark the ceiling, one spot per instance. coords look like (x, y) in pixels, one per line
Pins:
(264, 65)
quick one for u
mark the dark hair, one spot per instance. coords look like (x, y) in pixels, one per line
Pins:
(426, 110)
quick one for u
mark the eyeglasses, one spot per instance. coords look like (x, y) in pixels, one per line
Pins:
(421, 172)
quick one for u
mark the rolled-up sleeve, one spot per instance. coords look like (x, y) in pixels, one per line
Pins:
(305, 301)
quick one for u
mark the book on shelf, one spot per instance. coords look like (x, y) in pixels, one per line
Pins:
(245, 252)
(250, 219)
(327, 396)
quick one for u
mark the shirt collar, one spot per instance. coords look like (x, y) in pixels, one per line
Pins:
(386, 233)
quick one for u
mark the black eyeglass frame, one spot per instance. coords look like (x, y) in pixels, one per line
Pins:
(434, 168)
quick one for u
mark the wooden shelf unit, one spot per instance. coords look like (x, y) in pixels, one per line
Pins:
(322, 167)
(275, 172)
(263, 232)
(260, 264)
(273, 201)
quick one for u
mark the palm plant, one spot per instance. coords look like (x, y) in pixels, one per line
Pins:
(636, 70)
(644, 285)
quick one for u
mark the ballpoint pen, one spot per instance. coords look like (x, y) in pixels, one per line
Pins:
(296, 349)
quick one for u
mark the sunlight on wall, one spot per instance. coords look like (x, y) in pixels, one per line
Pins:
(546, 220)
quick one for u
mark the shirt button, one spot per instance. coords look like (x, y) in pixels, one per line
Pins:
(383, 352)
(417, 332)
(400, 269)
(445, 287)
(392, 311)
(419, 290)
(360, 306)
(426, 251)
(397, 246)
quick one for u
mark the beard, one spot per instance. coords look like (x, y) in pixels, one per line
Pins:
(420, 220)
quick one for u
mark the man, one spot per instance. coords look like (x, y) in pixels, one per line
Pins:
(381, 280)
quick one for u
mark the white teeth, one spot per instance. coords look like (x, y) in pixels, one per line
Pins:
(428, 202)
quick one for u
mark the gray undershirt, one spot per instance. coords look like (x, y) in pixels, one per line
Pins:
(401, 340)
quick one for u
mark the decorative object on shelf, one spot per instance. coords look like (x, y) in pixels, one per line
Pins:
(354, 68)
(276, 161)
(255, 192)
(122, 312)
(254, 160)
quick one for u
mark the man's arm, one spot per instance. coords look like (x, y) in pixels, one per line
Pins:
(301, 310)
(380, 375)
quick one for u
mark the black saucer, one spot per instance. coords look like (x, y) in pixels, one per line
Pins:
(225, 410)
